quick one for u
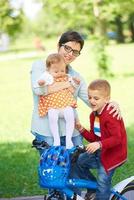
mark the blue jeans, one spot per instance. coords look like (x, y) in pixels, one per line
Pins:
(87, 161)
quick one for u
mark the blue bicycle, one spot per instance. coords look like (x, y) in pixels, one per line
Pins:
(54, 169)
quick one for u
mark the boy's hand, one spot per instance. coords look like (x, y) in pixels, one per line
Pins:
(93, 146)
(41, 82)
(78, 126)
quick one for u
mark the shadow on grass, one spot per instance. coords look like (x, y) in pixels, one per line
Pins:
(18, 170)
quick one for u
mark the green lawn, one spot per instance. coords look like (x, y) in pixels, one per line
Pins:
(18, 161)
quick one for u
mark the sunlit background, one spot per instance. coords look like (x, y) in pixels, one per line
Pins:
(30, 7)
(29, 30)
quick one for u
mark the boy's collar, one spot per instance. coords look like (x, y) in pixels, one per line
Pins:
(96, 113)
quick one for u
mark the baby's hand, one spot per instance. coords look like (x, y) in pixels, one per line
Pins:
(93, 146)
(76, 80)
(41, 82)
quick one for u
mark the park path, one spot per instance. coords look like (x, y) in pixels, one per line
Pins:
(14, 56)
(25, 198)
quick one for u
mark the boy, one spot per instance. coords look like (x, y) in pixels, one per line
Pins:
(108, 142)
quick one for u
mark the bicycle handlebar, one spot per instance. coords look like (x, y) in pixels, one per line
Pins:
(40, 144)
(74, 151)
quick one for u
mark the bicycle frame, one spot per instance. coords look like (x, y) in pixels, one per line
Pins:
(66, 184)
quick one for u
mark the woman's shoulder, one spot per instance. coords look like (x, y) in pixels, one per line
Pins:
(73, 72)
(38, 65)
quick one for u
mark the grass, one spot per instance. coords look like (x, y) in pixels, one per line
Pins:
(18, 170)
(18, 161)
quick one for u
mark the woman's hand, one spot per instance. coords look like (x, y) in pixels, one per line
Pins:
(57, 86)
(115, 109)
(71, 89)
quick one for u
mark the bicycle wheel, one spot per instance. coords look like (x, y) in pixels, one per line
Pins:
(46, 197)
(127, 192)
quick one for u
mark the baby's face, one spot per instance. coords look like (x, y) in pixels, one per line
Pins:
(58, 69)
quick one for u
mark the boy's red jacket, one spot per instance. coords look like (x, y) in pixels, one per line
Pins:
(113, 139)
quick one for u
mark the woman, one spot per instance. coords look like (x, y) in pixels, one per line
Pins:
(69, 46)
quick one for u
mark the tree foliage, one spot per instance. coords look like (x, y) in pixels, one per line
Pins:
(11, 19)
(62, 15)
(97, 17)
(79, 14)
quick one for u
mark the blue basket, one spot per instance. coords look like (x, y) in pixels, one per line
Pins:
(54, 167)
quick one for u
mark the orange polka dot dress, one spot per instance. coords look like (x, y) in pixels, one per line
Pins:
(60, 99)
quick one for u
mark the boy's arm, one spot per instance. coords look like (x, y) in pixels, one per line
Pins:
(88, 135)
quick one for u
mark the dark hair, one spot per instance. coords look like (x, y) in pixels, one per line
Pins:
(71, 36)
(53, 58)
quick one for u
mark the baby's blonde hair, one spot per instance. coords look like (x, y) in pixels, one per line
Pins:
(53, 58)
(101, 85)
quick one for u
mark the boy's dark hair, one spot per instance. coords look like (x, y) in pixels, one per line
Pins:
(72, 36)
(53, 59)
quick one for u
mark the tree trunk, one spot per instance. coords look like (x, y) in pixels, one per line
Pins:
(120, 36)
(131, 26)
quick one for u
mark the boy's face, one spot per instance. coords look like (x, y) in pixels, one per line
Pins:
(97, 99)
(58, 69)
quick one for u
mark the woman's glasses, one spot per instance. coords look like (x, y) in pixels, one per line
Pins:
(68, 49)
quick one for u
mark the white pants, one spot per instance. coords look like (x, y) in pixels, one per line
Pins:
(53, 116)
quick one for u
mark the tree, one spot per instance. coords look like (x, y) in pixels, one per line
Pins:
(85, 16)
(102, 57)
(68, 15)
(11, 19)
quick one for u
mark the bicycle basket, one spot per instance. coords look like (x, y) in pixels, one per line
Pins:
(54, 167)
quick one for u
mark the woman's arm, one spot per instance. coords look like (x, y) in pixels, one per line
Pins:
(57, 86)
(37, 70)
(83, 91)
